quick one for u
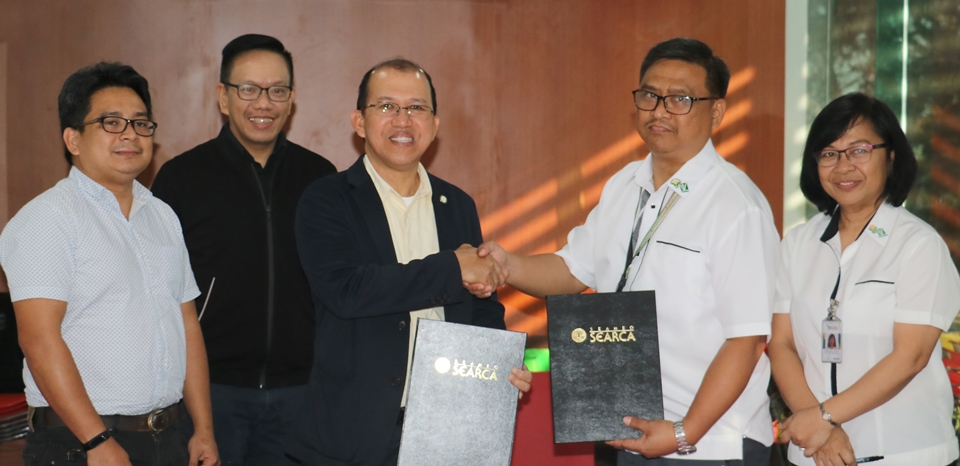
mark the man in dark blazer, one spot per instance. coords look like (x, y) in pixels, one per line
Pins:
(383, 244)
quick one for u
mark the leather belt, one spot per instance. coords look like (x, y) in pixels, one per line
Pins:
(154, 421)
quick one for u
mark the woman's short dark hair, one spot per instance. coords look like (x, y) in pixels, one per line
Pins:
(833, 122)
(695, 52)
(74, 100)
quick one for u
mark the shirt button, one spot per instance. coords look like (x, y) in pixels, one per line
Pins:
(396, 382)
(653, 206)
(402, 325)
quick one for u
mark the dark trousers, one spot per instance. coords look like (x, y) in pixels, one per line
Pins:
(754, 454)
(253, 426)
(392, 454)
(57, 445)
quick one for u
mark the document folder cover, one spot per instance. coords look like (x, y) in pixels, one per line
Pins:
(461, 409)
(604, 364)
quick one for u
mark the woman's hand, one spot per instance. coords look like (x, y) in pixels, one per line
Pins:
(837, 451)
(807, 430)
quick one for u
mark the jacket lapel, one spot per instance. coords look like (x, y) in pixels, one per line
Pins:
(371, 207)
(441, 213)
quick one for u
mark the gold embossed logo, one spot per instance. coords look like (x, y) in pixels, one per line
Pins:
(473, 370)
(621, 334)
(442, 365)
(578, 335)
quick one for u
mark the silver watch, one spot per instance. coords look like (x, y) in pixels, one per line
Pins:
(827, 417)
(683, 448)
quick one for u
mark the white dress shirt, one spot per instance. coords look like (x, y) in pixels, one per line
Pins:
(123, 282)
(898, 271)
(712, 263)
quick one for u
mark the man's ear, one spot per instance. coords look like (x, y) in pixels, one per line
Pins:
(717, 111)
(356, 120)
(222, 99)
(71, 138)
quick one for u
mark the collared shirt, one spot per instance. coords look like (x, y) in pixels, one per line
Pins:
(711, 263)
(123, 282)
(898, 271)
(413, 228)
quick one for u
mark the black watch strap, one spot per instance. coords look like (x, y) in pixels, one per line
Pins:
(97, 441)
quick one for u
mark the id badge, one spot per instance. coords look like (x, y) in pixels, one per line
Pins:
(832, 331)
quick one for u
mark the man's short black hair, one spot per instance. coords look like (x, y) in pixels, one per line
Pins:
(695, 52)
(399, 64)
(74, 100)
(248, 43)
(833, 121)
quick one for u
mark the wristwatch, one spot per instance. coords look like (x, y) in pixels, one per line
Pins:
(683, 448)
(827, 417)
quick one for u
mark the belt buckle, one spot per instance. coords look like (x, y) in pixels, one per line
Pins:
(152, 418)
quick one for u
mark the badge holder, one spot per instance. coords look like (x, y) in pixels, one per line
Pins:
(832, 330)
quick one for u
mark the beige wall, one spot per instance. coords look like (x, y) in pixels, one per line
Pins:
(533, 95)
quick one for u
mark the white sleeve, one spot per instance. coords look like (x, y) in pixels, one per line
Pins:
(928, 287)
(783, 295)
(743, 267)
(579, 252)
(36, 250)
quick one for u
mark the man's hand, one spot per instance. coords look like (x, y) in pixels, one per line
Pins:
(108, 453)
(521, 379)
(493, 251)
(807, 430)
(837, 451)
(203, 449)
(481, 273)
(658, 438)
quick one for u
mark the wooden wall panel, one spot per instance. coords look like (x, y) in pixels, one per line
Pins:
(533, 95)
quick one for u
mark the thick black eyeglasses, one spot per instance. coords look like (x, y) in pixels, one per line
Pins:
(252, 92)
(117, 125)
(675, 104)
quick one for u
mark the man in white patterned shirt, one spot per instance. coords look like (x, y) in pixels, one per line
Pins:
(103, 294)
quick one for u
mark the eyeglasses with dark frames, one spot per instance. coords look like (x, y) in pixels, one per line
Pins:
(674, 104)
(251, 92)
(859, 153)
(117, 125)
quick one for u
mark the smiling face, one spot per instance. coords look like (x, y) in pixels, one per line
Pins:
(856, 187)
(112, 160)
(394, 142)
(678, 138)
(256, 124)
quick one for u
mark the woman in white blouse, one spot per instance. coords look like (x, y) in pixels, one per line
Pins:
(864, 290)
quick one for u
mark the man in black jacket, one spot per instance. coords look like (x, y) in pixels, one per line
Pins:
(236, 196)
(383, 244)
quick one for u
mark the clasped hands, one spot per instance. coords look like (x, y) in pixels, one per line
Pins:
(828, 445)
(483, 269)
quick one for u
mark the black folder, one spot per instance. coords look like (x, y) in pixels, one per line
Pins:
(461, 409)
(604, 364)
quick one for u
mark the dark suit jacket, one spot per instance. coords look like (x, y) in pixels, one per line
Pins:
(363, 298)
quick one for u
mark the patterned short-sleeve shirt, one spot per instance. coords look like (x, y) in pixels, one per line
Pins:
(123, 282)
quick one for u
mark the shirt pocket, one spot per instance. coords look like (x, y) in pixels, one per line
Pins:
(870, 307)
(169, 270)
(681, 266)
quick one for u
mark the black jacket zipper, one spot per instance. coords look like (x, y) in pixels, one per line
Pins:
(270, 276)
